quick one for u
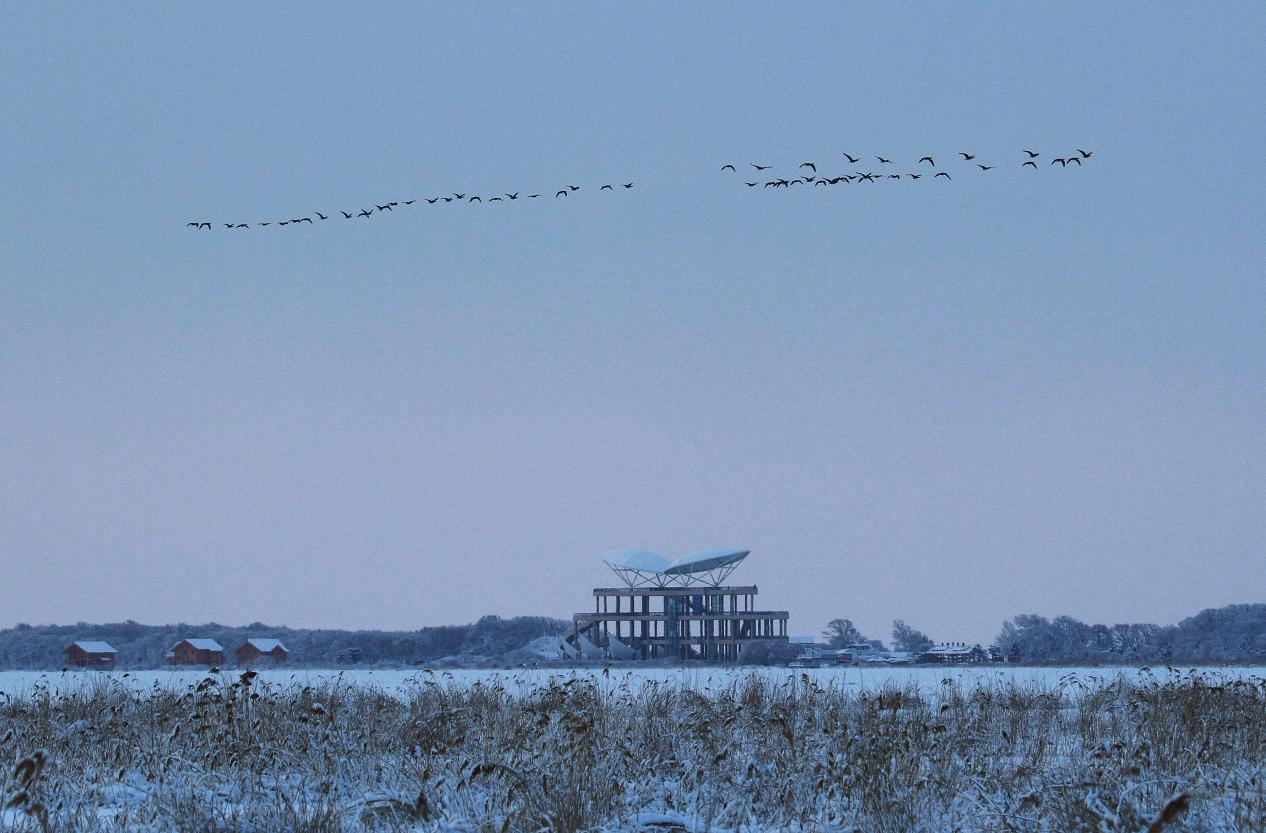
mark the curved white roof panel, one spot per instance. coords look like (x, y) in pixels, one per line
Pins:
(643, 560)
(701, 561)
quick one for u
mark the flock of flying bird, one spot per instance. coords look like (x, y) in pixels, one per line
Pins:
(394, 204)
(807, 172)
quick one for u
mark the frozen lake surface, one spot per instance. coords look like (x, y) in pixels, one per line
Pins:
(17, 683)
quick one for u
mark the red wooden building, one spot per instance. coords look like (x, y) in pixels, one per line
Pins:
(89, 654)
(196, 652)
(256, 649)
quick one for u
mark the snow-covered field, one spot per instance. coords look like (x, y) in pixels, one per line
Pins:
(634, 750)
(701, 679)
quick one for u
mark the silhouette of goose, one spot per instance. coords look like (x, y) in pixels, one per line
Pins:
(386, 207)
(605, 188)
(628, 185)
(884, 161)
(967, 157)
(562, 193)
(365, 212)
(731, 167)
(852, 160)
(322, 216)
(432, 201)
(760, 167)
(1085, 154)
(513, 196)
(346, 216)
(1031, 164)
(810, 166)
(1032, 155)
(1063, 163)
(942, 173)
(929, 160)
(985, 167)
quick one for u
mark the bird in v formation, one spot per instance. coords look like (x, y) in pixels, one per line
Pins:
(392, 205)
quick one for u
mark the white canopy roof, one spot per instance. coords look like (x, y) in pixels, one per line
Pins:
(644, 568)
(204, 644)
(266, 645)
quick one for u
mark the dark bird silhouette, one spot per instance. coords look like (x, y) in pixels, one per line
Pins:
(265, 224)
(821, 182)
(447, 199)
(605, 188)
(432, 201)
(242, 225)
(731, 167)
(810, 166)
(809, 178)
(574, 187)
(1032, 155)
(1085, 154)
(772, 183)
(228, 225)
(967, 157)
(1076, 159)
(283, 222)
(513, 196)
(984, 167)
(475, 199)
(393, 203)
(748, 184)
(852, 160)
(459, 196)
(533, 196)
(410, 202)
(942, 173)
(1063, 163)
(914, 176)
(929, 160)
(386, 207)
(307, 220)
(628, 185)
(365, 212)
(883, 160)
(322, 216)
(866, 177)
(495, 199)
(562, 193)
(1031, 164)
(796, 182)
(760, 167)
(346, 216)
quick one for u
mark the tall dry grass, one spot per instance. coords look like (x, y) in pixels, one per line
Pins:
(1175, 752)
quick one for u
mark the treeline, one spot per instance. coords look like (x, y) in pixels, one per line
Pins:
(146, 646)
(1235, 633)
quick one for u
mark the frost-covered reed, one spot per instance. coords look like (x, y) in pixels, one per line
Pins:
(1165, 752)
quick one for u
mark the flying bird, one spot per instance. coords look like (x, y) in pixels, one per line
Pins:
(432, 201)
(1085, 154)
(346, 216)
(459, 196)
(447, 199)
(760, 167)
(365, 212)
(533, 196)
(574, 187)
(407, 202)
(1076, 159)
(852, 160)
(241, 225)
(513, 196)
(475, 199)
(562, 193)
(1032, 155)
(809, 165)
(628, 185)
(883, 160)
(228, 225)
(605, 188)
(386, 207)
(495, 199)
(985, 167)
(1063, 163)
(283, 222)
(914, 176)
(307, 220)
(1031, 164)
(748, 184)
(967, 157)
(731, 167)
(942, 173)
(265, 224)
(929, 160)
(322, 216)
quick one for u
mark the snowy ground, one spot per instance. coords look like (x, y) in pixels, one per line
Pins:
(17, 683)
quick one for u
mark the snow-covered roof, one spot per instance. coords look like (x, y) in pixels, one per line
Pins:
(650, 562)
(266, 645)
(643, 568)
(204, 644)
(92, 647)
(703, 560)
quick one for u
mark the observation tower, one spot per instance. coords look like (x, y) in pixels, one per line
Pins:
(673, 609)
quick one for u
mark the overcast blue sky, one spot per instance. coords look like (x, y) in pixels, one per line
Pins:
(946, 402)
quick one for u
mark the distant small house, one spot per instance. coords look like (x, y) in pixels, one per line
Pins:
(196, 652)
(88, 654)
(954, 653)
(256, 649)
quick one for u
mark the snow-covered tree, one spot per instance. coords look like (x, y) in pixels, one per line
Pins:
(906, 638)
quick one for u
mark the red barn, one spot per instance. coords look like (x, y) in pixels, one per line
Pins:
(196, 652)
(88, 654)
(256, 649)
